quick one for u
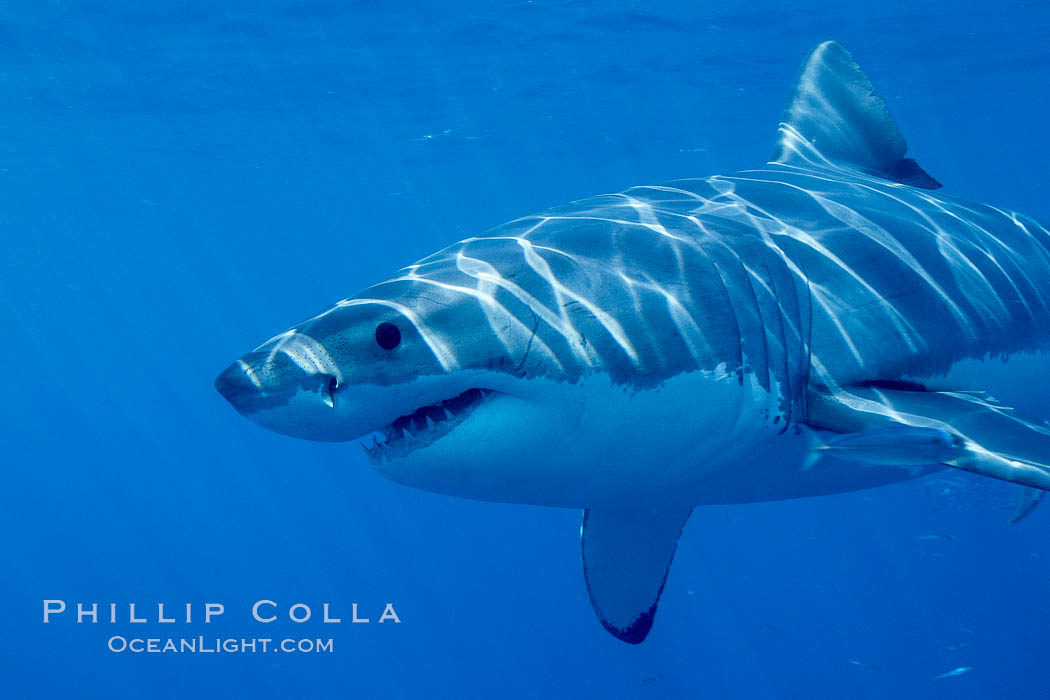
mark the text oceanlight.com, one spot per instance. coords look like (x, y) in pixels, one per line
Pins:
(217, 645)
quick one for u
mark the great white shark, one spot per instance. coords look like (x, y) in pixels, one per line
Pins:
(821, 324)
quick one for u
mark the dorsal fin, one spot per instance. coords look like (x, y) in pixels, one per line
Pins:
(834, 119)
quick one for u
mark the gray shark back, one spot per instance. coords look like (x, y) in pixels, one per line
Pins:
(833, 263)
(767, 272)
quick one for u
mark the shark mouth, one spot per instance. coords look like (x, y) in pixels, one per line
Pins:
(423, 426)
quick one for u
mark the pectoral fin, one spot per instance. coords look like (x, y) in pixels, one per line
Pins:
(626, 556)
(901, 445)
(997, 442)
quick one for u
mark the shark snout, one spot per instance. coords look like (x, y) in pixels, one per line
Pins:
(236, 385)
(275, 391)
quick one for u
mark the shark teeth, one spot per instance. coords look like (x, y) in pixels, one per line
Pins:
(422, 427)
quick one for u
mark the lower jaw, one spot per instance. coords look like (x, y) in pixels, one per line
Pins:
(411, 437)
(385, 453)
(407, 443)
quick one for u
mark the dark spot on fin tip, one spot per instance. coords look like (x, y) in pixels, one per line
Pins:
(637, 631)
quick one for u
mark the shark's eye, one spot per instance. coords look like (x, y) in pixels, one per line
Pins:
(388, 336)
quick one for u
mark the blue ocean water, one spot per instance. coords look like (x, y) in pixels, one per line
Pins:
(178, 181)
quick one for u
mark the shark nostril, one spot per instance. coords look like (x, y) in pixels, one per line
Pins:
(328, 390)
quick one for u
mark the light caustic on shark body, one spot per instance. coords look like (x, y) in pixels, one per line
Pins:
(821, 324)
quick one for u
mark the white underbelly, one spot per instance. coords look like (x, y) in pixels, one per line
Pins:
(697, 438)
